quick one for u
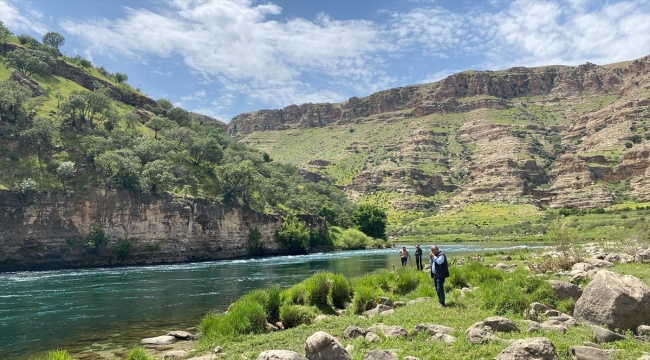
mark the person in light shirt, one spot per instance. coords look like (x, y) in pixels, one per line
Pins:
(439, 272)
(404, 255)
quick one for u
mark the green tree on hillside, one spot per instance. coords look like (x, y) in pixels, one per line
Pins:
(205, 149)
(15, 100)
(29, 61)
(371, 220)
(156, 177)
(237, 182)
(120, 77)
(82, 107)
(165, 105)
(4, 33)
(159, 123)
(181, 116)
(28, 40)
(293, 234)
(121, 167)
(40, 136)
(53, 40)
(65, 171)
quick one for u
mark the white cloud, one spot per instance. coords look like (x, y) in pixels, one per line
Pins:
(16, 22)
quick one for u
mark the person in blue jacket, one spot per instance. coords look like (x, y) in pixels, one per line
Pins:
(439, 272)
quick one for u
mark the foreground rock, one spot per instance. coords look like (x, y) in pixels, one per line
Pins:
(588, 353)
(380, 355)
(377, 310)
(280, 355)
(353, 332)
(323, 346)
(181, 335)
(175, 355)
(433, 329)
(604, 335)
(498, 323)
(480, 334)
(159, 340)
(390, 331)
(565, 290)
(529, 349)
(617, 301)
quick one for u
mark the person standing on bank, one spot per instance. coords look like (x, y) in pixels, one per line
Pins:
(439, 272)
(418, 257)
(404, 255)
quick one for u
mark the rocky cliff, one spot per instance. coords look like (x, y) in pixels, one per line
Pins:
(50, 230)
(557, 135)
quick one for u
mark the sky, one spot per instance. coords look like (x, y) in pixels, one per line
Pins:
(224, 57)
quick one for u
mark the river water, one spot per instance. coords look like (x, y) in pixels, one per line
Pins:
(104, 310)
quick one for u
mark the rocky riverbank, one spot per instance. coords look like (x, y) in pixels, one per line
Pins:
(600, 313)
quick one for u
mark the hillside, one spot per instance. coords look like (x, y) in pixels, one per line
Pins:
(553, 136)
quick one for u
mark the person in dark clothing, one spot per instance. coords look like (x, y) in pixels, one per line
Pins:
(439, 272)
(418, 257)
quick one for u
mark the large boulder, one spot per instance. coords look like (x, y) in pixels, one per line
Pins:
(380, 355)
(565, 290)
(617, 301)
(25, 80)
(280, 355)
(529, 349)
(323, 346)
(588, 353)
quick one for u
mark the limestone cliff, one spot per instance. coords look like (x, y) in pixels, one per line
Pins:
(48, 231)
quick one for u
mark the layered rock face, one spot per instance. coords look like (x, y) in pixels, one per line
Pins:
(51, 231)
(555, 135)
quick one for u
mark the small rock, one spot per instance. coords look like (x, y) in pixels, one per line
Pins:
(218, 350)
(498, 323)
(442, 337)
(159, 340)
(506, 258)
(372, 337)
(385, 301)
(204, 357)
(323, 346)
(643, 330)
(390, 331)
(175, 355)
(349, 348)
(644, 357)
(590, 344)
(411, 358)
(480, 334)
(280, 355)
(501, 266)
(604, 335)
(320, 317)
(581, 267)
(399, 304)
(181, 335)
(387, 312)
(433, 329)
(533, 348)
(353, 332)
(378, 309)
(552, 313)
(599, 263)
(588, 353)
(533, 326)
(279, 325)
(270, 328)
(565, 290)
(380, 355)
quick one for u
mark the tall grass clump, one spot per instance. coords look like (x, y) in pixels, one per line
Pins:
(246, 316)
(137, 354)
(365, 298)
(476, 273)
(273, 304)
(296, 295)
(407, 281)
(317, 289)
(341, 291)
(59, 355)
(383, 279)
(457, 279)
(515, 293)
(294, 315)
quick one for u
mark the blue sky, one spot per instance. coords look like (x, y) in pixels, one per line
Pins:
(225, 57)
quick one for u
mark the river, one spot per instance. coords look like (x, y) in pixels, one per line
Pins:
(101, 310)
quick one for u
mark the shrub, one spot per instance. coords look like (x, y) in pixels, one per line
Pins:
(272, 307)
(123, 248)
(407, 281)
(294, 315)
(365, 298)
(138, 354)
(351, 239)
(317, 289)
(255, 246)
(371, 220)
(96, 237)
(59, 355)
(293, 234)
(341, 291)
(382, 279)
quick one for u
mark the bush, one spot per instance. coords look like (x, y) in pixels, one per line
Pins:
(351, 239)
(138, 354)
(272, 307)
(407, 281)
(294, 315)
(365, 298)
(255, 246)
(341, 291)
(96, 237)
(371, 220)
(293, 234)
(123, 248)
(59, 355)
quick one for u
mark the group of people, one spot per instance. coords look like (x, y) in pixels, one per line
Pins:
(439, 268)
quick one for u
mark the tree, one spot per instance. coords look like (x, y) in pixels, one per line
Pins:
(53, 39)
(165, 105)
(83, 106)
(158, 123)
(65, 171)
(237, 182)
(205, 149)
(4, 33)
(293, 234)
(28, 40)
(181, 116)
(156, 177)
(120, 77)
(14, 101)
(149, 150)
(29, 61)
(40, 135)
(371, 220)
(121, 167)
